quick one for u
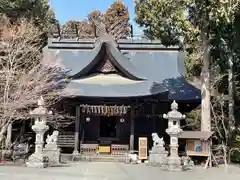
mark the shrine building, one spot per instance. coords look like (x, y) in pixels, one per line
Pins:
(118, 92)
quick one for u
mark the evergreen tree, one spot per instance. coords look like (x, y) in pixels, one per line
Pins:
(208, 32)
(116, 20)
(82, 28)
(37, 11)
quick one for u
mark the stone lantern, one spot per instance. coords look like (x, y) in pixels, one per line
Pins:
(174, 130)
(40, 114)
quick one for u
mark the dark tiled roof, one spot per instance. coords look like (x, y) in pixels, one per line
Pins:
(196, 135)
(160, 67)
(121, 62)
(139, 88)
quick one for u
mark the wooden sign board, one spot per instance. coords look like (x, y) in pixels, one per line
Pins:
(198, 147)
(142, 148)
(104, 149)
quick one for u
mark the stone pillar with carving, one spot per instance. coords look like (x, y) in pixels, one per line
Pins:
(157, 155)
(51, 150)
(37, 159)
(174, 130)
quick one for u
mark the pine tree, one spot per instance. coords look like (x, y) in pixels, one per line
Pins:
(116, 20)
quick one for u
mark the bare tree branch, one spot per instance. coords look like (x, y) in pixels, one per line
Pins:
(24, 77)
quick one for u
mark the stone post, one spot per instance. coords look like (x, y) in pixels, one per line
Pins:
(40, 114)
(157, 155)
(174, 130)
(77, 131)
(51, 149)
(131, 139)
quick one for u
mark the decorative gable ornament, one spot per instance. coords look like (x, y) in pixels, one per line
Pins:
(106, 66)
(103, 35)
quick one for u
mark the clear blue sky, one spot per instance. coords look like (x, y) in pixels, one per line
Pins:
(78, 9)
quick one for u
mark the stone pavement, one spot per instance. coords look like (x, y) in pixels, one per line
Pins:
(113, 171)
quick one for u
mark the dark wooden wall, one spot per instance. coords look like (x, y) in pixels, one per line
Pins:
(91, 129)
(123, 130)
(146, 121)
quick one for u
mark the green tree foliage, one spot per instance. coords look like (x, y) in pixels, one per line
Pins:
(117, 15)
(168, 21)
(184, 23)
(180, 23)
(37, 11)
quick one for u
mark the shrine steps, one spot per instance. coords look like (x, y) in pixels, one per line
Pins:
(102, 158)
(95, 158)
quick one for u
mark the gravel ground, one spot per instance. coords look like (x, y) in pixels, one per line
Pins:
(113, 171)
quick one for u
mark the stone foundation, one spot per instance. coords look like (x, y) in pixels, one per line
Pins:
(37, 161)
(53, 155)
(157, 158)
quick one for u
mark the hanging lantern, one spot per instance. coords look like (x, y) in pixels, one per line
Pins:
(88, 119)
(122, 120)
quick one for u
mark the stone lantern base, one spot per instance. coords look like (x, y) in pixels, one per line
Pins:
(158, 156)
(37, 161)
(174, 164)
(53, 153)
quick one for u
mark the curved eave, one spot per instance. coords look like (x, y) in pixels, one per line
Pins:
(140, 89)
(124, 64)
(181, 90)
(163, 96)
(116, 58)
(92, 59)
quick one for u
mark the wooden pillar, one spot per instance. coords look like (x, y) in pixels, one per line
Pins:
(82, 122)
(77, 127)
(154, 117)
(132, 128)
(23, 129)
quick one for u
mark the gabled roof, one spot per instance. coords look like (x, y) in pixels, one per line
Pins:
(116, 58)
(150, 64)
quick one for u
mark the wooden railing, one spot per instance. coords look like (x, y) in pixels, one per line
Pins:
(89, 148)
(118, 150)
(66, 139)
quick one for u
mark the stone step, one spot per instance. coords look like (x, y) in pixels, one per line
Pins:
(94, 158)
(102, 158)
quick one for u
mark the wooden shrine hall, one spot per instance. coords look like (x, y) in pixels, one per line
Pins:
(118, 91)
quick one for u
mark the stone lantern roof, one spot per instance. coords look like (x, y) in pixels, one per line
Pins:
(174, 113)
(40, 110)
